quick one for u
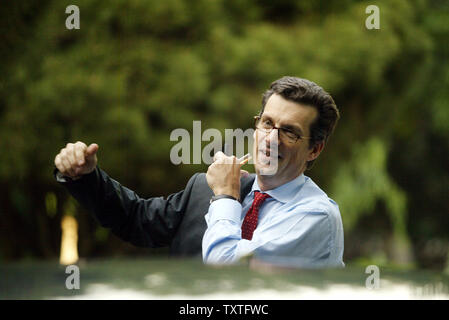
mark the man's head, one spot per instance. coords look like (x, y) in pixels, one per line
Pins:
(305, 108)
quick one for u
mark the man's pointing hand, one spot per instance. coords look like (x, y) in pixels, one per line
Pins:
(77, 159)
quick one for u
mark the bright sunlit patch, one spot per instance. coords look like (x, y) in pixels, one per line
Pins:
(69, 241)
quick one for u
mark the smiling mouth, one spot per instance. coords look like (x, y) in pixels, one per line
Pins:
(267, 153)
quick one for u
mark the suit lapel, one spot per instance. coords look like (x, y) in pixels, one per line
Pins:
(246, 184)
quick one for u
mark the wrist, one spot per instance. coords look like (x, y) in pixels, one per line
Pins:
(64, 178)
(231, 193)
(222, 196)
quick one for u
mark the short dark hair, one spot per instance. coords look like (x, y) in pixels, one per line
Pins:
(309, 93)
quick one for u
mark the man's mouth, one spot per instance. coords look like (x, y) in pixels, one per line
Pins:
(268, 165)
(267, 153)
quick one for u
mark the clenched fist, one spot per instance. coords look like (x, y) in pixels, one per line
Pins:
(77, 159)
(223, 176)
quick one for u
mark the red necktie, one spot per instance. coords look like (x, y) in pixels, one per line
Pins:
(250, 221)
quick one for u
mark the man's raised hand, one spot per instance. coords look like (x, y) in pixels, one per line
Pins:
(223, 175)
(77, 159)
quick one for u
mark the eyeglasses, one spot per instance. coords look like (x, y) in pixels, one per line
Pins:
(287, 135)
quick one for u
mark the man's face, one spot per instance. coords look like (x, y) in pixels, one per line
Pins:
(292, 156)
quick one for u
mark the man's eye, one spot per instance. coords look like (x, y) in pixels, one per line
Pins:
(290, 133)
(267, 123)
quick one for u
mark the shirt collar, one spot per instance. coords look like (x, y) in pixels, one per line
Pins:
(285, 192)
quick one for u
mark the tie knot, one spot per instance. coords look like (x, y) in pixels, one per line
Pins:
(259, 197)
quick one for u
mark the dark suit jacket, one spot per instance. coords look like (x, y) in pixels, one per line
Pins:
(176, 221)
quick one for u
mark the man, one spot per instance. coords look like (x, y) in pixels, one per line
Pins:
(297, 224)
(281, 217)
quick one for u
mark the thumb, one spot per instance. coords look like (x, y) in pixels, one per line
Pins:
(244, 173)
(92, 150)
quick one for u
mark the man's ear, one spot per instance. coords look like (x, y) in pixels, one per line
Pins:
(315, 151)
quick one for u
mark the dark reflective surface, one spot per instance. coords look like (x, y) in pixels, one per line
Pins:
(147, 278)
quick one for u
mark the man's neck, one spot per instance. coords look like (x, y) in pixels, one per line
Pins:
(266, 182)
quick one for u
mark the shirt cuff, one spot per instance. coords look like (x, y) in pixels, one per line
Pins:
(65, 179)
(225, 209)
(60, 177)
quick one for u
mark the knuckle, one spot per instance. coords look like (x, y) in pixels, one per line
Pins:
(80, 144)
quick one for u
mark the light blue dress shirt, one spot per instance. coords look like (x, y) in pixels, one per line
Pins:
(299, 226)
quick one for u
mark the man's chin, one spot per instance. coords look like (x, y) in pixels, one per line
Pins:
(267, 168)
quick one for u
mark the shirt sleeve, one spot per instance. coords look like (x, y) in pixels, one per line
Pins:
(223, 233)
(308, 243)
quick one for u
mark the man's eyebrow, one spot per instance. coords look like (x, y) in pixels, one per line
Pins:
(266, 117)
(293, 128)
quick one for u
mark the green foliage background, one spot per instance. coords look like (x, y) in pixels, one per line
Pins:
(136, 70)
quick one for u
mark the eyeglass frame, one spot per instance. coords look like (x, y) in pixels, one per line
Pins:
(268, 131)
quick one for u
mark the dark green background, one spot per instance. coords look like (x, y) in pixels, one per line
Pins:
(136, 70)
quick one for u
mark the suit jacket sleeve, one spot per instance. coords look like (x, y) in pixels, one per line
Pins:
(143, 222)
